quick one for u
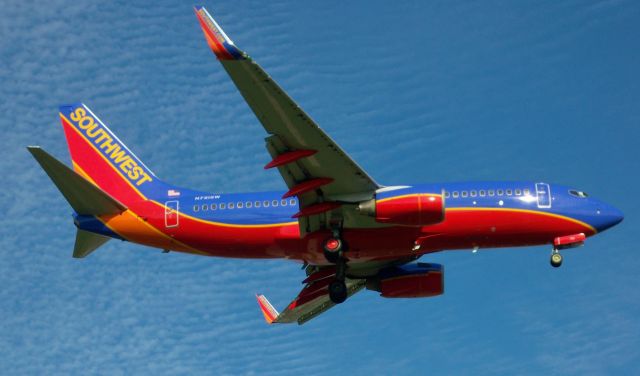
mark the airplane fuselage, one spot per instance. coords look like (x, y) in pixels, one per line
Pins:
(260, 225)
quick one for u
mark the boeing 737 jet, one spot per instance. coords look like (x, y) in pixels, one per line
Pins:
(348, 231)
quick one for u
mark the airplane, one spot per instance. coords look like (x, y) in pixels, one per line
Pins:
(349, 232)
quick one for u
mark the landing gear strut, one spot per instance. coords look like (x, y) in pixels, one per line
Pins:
(556, 258)
(334, 248)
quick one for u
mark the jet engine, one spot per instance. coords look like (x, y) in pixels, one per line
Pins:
(409, 210)
(419, 280)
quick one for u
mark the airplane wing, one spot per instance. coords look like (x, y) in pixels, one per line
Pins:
(325, 179)
(311, 301)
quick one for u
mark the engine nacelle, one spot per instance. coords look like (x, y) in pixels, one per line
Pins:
(418, 280)
(408, 210)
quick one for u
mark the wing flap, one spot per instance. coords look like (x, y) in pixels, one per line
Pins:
(312, 300)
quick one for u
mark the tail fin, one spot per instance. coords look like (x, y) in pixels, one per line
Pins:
(99, 156)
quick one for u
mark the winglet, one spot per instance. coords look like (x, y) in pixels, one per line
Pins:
(270, 313)
(219, 42)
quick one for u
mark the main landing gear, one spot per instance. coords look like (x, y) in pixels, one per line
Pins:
(556, 258)
(334, 248)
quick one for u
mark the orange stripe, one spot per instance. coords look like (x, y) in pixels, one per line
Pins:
(131, 227)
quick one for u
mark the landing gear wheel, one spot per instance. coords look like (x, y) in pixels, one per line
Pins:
(338, 291)
(556, 259)
(332, 248)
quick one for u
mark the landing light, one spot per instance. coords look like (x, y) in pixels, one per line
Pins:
(528, 199)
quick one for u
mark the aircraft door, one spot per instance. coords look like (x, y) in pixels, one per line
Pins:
(544, 195)
(171, 213)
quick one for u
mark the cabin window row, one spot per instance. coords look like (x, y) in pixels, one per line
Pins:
(487, 192)
(245, 204)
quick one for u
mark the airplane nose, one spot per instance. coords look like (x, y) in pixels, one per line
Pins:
(609, 217)
(616, 216)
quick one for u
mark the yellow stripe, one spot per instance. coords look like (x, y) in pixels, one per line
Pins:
(527, 211)
(157, 231)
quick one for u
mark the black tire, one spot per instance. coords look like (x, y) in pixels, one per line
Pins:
(331, 257)
(556, 260)
(338, 291)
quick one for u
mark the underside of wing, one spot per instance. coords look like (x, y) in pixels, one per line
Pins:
(325, 179)
(311, 301)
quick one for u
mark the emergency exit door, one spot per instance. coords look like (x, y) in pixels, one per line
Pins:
(171, 213)
(544, 195)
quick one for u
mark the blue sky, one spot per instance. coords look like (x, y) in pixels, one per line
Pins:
(416, 92)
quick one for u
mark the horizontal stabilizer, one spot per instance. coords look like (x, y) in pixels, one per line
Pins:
(84, 197)
(87, 242)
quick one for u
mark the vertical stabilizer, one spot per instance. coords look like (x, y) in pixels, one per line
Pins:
(102, 158)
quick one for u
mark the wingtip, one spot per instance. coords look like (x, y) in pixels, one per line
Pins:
(221, 45)
(270, 313)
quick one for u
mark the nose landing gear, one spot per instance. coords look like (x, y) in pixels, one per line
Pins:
(565, 242)
(556, 258)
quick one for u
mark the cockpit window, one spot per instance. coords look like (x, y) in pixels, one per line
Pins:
(580, 194)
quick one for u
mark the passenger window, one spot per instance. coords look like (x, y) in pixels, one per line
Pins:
(283, 202)
(257, 204)
(482, 193)
(446, 194)
(231, 205)
(292, 201)
(473, 193)
(274, 203)
(196, 208)
(205, 207)
(518, 192)
(239, 205)
(214, 206)
(500, 192)
(464, 194)
(265, 204)
(526, 191)
(491, 192)
(455, 194)
(248, 204)
(509, 192)
(223, 206)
